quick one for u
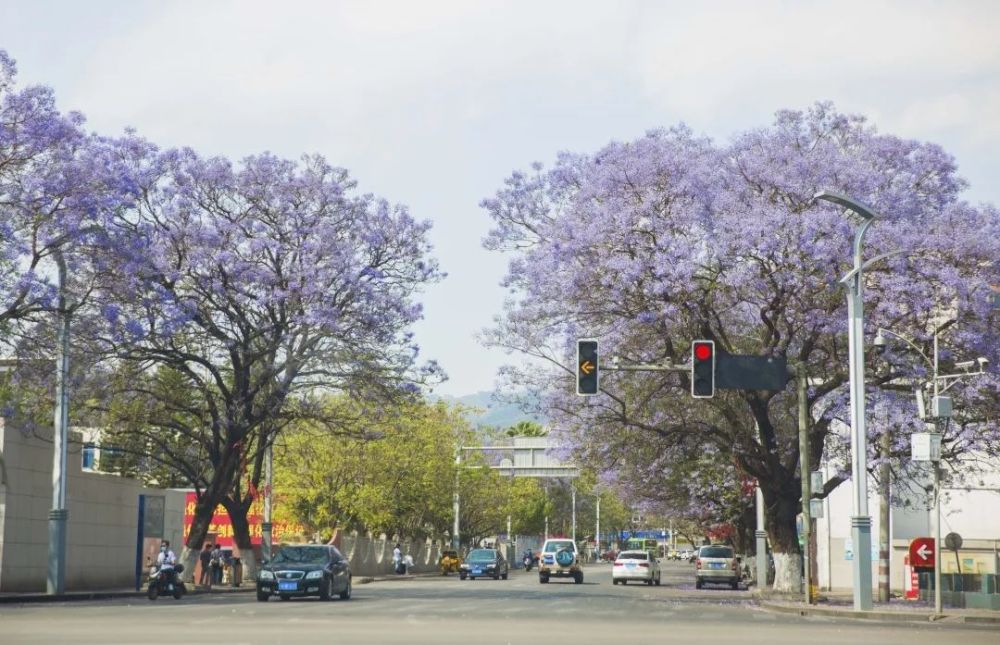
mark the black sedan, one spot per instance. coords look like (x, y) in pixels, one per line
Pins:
(484, 562)
(305, 570)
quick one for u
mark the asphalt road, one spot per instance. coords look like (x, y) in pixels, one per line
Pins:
(447, 610)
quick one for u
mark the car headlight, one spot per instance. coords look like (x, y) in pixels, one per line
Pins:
(313, 575)
(266, 575)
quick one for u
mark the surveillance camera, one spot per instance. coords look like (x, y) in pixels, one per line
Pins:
(964, 365)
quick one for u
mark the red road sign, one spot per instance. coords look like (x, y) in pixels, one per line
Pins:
(922, 552)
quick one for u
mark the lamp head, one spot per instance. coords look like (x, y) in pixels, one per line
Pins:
(880, 341)
(859, 207)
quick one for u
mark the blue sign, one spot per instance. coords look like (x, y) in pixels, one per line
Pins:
(646, 535)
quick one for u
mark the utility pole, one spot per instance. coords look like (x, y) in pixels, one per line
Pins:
(455, 543)
(597, 529)
(59, 515)
(574, 514)
(266, 526)
(761, 536)
(883, 518)
(803, 405)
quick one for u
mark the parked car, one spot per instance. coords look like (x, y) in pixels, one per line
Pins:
(305, 570)
(561, 559)
(716, 564)
(484, 562)
(637, 566)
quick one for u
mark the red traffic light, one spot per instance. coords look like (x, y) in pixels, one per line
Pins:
(703, 351)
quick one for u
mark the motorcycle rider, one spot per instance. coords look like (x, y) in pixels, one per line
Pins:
(528, 558)
(166, 560)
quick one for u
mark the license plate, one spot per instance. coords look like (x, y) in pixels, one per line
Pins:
(477, 571)
(630, 565)
(287, 586)
(717, 565)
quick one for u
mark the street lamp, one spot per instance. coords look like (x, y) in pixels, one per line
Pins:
(861, 522)
(940, 408)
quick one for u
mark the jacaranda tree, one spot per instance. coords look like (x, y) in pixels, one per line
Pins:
(264, 284)
(652, 243)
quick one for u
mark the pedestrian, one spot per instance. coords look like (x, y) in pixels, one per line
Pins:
(205, 579)
(216, 564)
(407, 563)
(397, 559)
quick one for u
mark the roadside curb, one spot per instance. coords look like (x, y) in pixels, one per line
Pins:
(887, 616)
(31, 598)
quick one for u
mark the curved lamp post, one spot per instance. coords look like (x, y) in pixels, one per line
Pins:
(861, 522)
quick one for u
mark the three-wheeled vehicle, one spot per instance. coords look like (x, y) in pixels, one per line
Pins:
(449, 562)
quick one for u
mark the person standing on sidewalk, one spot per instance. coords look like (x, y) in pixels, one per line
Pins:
(397, 559)
(205, 579)
(216, 564)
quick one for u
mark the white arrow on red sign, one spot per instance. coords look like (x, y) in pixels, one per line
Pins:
(924, 552)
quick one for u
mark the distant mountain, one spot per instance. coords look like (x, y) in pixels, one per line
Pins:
(498, 415)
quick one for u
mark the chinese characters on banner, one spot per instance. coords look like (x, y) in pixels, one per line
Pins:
(222, 527)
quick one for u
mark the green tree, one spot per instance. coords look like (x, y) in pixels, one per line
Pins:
(394, 474)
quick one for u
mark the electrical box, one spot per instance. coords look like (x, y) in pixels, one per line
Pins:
(815, 508)
(925, 446)
(816, 480)
(942, 407)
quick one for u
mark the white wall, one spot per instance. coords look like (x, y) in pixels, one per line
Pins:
(102, 526)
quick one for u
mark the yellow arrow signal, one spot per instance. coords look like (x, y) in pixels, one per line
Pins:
(587, 367)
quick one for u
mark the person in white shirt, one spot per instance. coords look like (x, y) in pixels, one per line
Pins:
(166, 559)
(397, 559)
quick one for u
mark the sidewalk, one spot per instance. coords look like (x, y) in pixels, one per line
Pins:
(14, 597)
(841, 605)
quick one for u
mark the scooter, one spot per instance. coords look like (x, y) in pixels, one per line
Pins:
(528, 561)
(166, 581)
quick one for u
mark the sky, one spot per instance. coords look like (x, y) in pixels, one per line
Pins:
(433, 104)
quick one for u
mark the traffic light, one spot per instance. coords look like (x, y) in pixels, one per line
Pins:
(703, 369)
(587, 372)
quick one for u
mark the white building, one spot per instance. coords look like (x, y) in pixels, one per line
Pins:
(970, 508)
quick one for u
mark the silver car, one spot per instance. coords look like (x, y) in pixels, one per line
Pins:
(716, 564)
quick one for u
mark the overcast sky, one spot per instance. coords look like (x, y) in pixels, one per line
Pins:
(433, 104)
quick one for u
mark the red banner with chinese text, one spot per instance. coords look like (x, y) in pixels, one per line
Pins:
(222, 527)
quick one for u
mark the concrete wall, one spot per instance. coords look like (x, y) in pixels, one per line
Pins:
(102, 525)
(372, 555)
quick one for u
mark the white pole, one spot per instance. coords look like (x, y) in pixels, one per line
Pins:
(597, 530)
(266, 526)
(937, 498)
(574, 514)
(58, 516)
(455, 543)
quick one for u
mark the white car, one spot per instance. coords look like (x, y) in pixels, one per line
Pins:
(637, 566)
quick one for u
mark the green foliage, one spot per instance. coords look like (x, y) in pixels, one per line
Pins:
(393, 471)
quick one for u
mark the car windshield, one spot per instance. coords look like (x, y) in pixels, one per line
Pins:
(634, 555)
(715, 552)
(552, 547)
(482, 554)
(302, 555)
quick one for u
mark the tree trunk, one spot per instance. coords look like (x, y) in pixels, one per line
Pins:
(781, 510)
(203, 512)
(238, 511)
(204, 509)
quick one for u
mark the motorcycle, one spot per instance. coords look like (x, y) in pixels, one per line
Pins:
(528, 561)
(166, 581)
